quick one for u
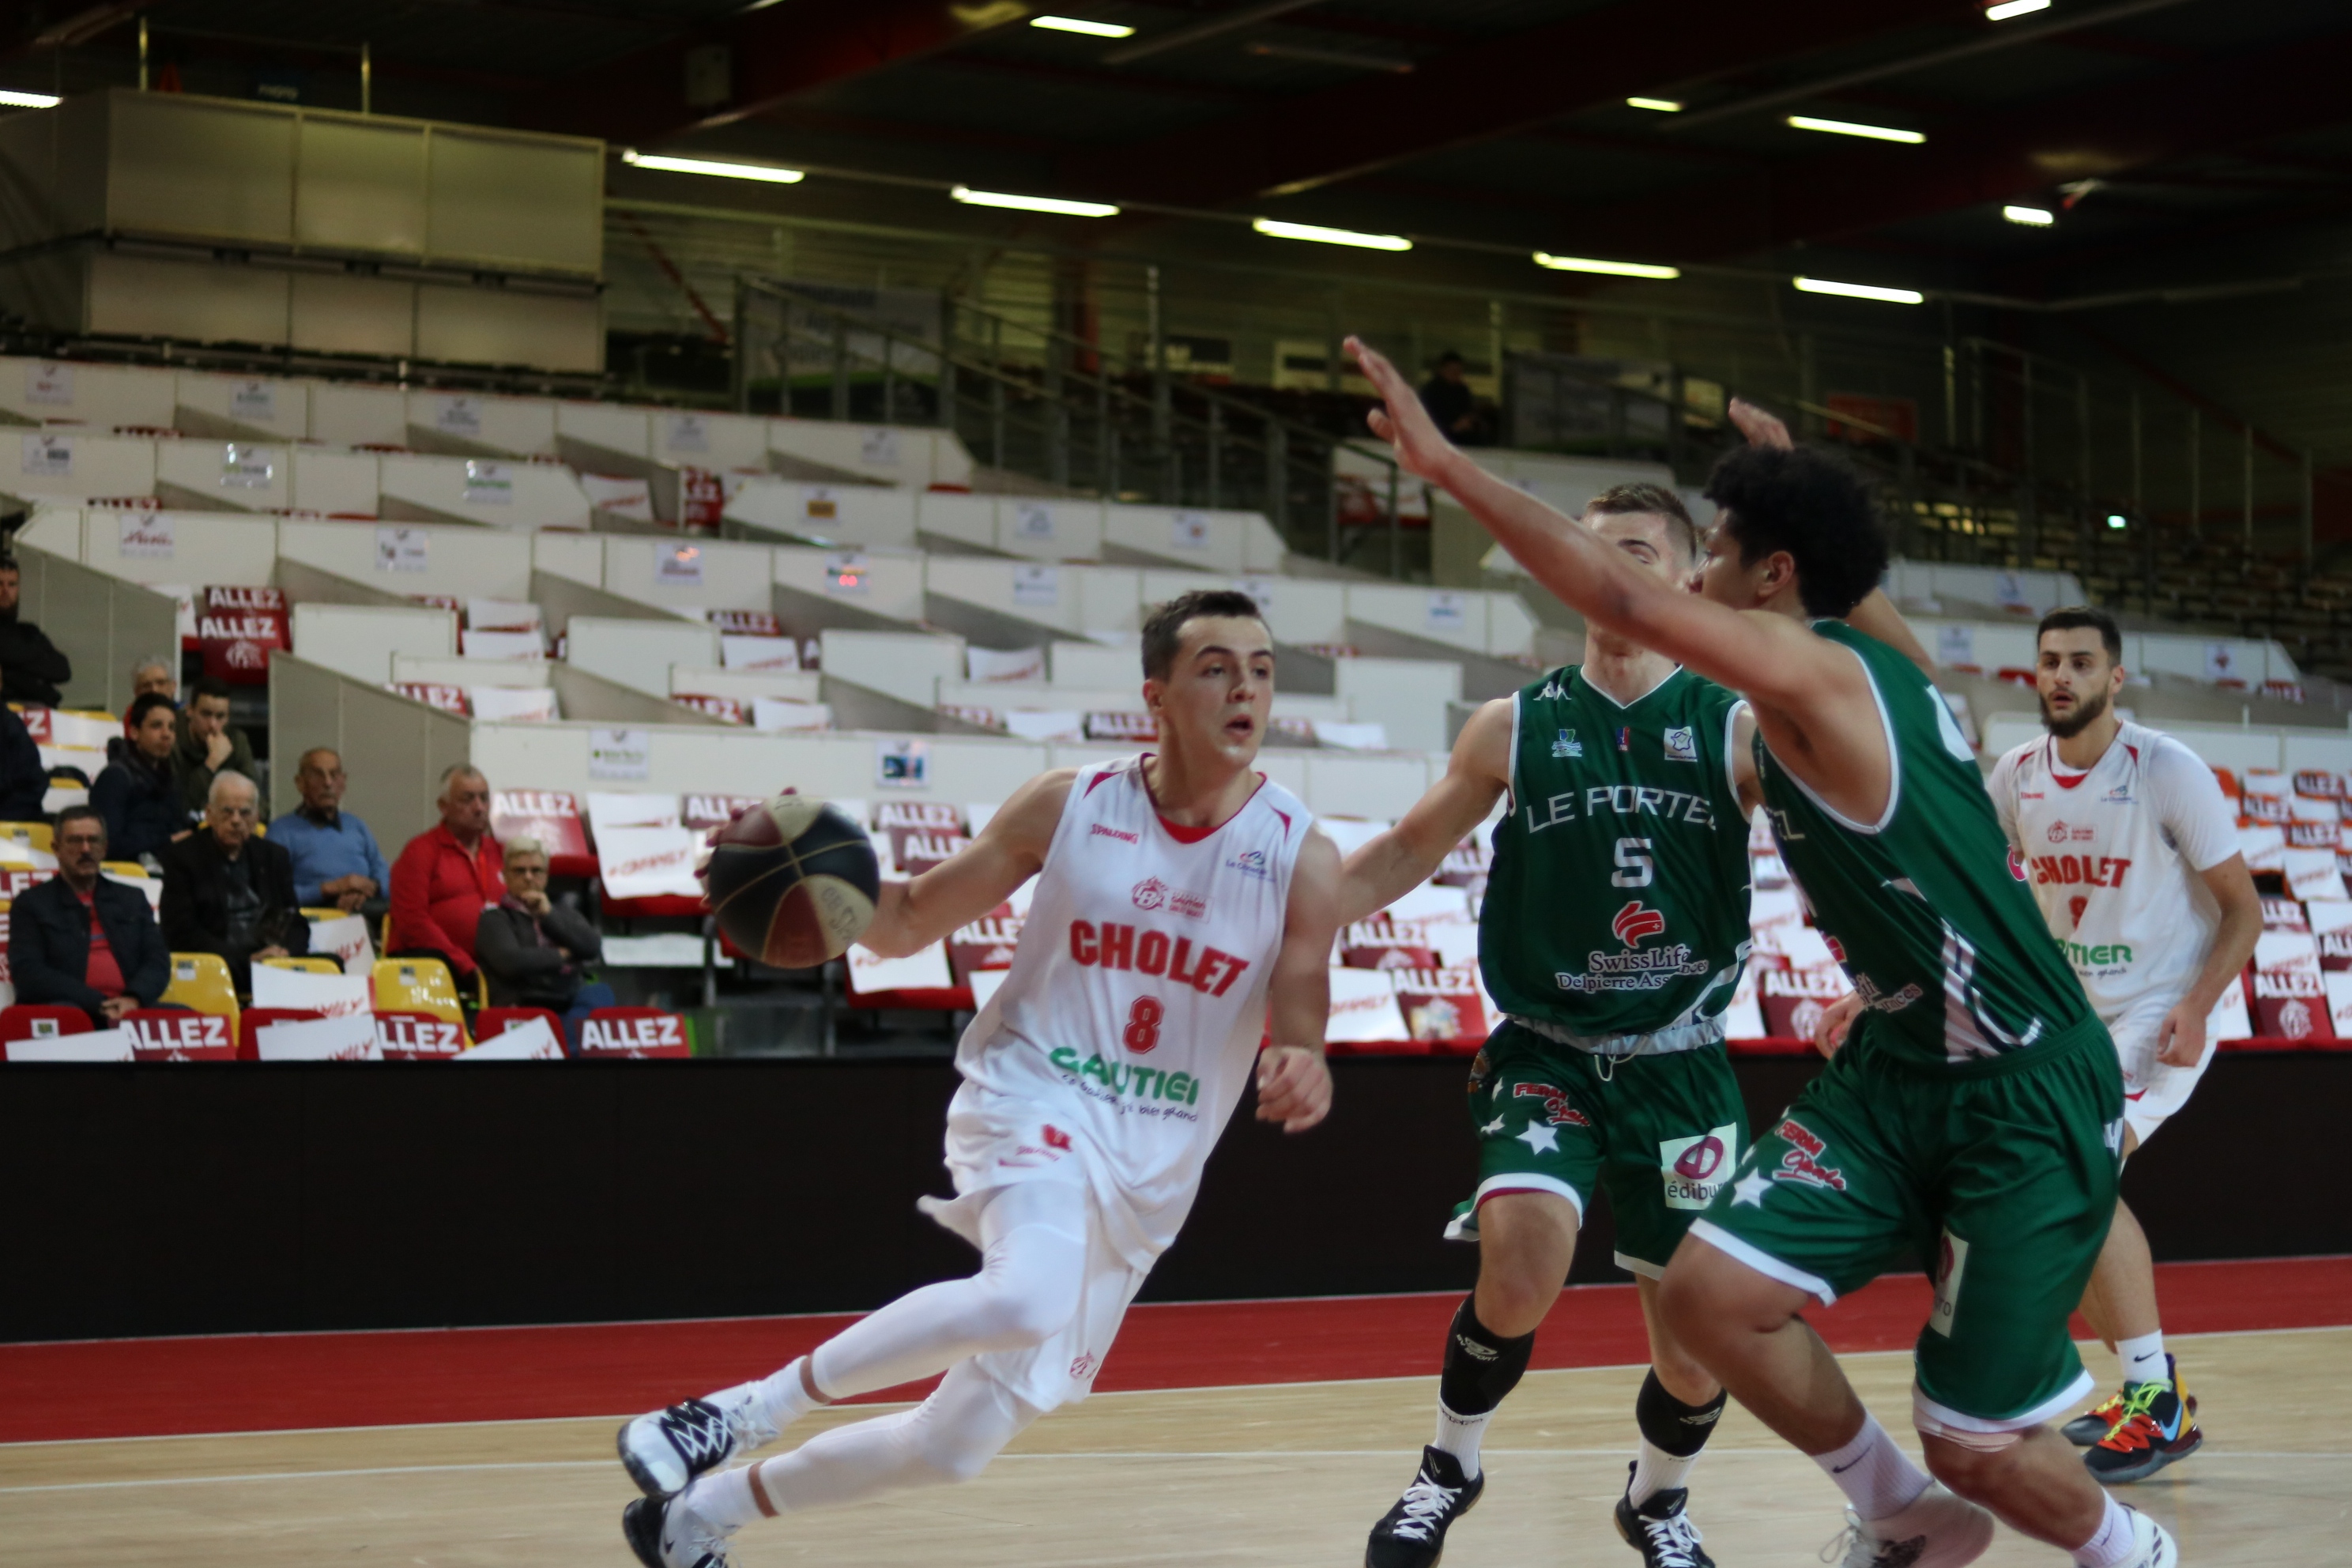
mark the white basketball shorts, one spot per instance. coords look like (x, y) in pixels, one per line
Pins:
(997, 1140)
(2153, 1091)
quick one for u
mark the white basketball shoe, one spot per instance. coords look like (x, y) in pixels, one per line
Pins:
(2152, 1545)
(1937, 1530)
(666, 1450)
(665, 1533)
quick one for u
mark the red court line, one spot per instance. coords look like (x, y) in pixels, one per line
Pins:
(112, 1388)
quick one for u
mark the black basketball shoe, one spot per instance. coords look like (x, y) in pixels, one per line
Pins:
(1413, 1533)
(2158, 1428)
(1660, 1530)
(665, 1451)
(2087, 1429)
(665, 1533)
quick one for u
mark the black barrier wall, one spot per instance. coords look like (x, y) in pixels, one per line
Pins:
(208, 1199)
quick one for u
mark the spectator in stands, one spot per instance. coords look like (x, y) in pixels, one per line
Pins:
(228, 892)
(1450, 402)
(154, 673)
(535, 951)
(23, 781)
(208, 748)
(31, 668)
(136, 793)
(446, 877)
(80, 941)
(336, 860)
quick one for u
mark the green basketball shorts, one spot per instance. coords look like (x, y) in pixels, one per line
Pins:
(2000, 1177)
(1658, 1133)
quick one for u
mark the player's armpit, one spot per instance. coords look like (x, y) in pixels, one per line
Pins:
(1397, 861)
(1877, 616)
(1300, 985)
(964, 888)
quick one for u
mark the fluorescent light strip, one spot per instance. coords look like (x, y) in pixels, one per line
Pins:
(2032, 217)
(1663, 105)
(1309, 231)
(970, 198)
(2007, 8)
(1105, 29)
(765, 171)
(1860, 291)
(1850, 128)
(10, 99)
(1613, 268)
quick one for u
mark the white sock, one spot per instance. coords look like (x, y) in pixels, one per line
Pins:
(782, 1398)
(1656, 1471)
(2143, 1358)
(1876, 1477)
(2112, 1542)
(1458, 1436)
(724, 1498)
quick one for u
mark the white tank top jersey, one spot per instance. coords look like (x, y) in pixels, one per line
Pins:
(1138, 997)
(2114, 856)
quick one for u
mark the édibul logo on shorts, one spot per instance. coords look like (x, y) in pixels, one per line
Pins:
(1695, 1169)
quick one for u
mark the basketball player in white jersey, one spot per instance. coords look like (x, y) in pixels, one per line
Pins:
(1184, 910)
(2132, 852)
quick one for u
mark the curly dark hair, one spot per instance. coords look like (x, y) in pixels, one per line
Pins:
(1163, 629)
(1812, 505)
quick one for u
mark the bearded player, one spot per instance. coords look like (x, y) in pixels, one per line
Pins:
(2134, 855)
(1181, 899)
(1975, 1115)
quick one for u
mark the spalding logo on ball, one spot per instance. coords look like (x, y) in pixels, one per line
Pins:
(793, 881)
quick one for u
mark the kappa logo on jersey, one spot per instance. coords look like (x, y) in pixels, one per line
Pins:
(1122, 834)
(1557, 1112)
(1250, 863)
(1637, 921)
(1682, 746)
(1693, 1168)
(1566, 744)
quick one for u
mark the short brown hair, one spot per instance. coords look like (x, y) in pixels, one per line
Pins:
(1163, 631)
(1657, 500)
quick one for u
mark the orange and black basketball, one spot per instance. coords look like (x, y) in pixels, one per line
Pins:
(793, 881)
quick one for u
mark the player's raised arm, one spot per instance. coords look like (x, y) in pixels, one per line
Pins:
(1391, 865)
(1294, 1085)
(912, 915)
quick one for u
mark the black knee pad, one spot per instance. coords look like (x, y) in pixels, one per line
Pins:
(1670, 1425)
(1481, 1366)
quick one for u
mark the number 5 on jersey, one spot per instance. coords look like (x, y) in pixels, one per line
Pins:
(1634, 867)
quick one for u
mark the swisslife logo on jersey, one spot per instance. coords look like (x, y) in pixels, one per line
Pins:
(1694, 1168)
(1634, 969)
(1637, 921)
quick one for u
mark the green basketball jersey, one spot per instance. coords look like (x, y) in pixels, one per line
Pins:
(1617, 904)
(1926, 908)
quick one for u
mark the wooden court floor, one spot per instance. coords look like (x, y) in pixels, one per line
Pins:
(1289, 1474)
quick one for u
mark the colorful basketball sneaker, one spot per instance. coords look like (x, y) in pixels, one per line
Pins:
(2086, 1429)
(666, 1450)
(1413, 1533)
(1659, 1529)
(1939, 1530)
(2155, 1429)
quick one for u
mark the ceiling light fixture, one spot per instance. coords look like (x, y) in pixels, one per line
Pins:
(2032, 217)
(2007, 8)
(1613, 268)
(2115, 519)
(970, 198)
(1329, 58)
(766, 172)
(1860, 291)
(1663, 105)
(1104, 29)
(1321, 236)
(10, 99)
(1852, 127)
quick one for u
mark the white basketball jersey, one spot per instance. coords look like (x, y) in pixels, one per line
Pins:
(1138, 998)
(2114, 856)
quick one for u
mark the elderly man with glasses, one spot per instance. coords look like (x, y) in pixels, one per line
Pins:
(81, 940)
(228, 892)
(536, 951)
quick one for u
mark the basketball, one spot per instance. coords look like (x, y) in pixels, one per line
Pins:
(794, 881)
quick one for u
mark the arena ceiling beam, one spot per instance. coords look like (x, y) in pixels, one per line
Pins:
(771, 54)
(2010, 156)
(1475, 94)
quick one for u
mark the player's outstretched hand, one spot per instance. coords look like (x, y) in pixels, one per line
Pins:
(1293, 1087)
(1761, 429)
(2181, 1038)
(1837, 1021)
(1420, 446)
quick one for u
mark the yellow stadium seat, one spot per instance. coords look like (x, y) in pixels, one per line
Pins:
(311, 914)
(418, 985)
(310, 963)
(123, 869)
(201, 980)
(32, 834)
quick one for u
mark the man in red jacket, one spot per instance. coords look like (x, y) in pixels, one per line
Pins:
(446, 877)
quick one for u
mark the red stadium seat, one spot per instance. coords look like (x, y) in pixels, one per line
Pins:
(552, 817)
(492, 1021)
(178, 1034)
(41, 1022)
(407, 1035)
(635, 1032)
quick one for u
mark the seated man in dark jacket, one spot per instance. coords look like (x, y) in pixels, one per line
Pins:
(227, 892)
(136, 793)
(23, 783)
(81, 940)
(535, 951)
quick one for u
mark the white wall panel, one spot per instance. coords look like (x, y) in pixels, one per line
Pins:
(361, 640)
